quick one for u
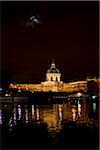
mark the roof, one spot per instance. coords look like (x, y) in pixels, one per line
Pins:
(53, 68)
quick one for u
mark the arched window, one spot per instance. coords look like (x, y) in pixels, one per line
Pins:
(56, 79)
(51, 78)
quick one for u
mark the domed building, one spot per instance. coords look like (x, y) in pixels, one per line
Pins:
(52, 83)
(53, 74)
(53, 77)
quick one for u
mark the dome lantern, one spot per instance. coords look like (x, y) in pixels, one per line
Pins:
(53, 68)
(53, 74)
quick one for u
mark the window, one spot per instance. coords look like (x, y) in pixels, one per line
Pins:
(51, 78)
(56, 79)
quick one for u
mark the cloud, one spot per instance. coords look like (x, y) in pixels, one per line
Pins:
(32, 21)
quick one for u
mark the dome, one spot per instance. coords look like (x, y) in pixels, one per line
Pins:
(53, 69)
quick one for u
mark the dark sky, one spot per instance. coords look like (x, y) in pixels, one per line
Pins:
(68, 33)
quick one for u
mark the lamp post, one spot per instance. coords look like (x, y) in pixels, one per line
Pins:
(79, 94)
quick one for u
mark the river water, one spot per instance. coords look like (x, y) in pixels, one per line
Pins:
(57, 125)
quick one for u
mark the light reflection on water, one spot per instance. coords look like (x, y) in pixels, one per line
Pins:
(53, 114)
(0, 116)
(14, 113)
(26, 114)
(19, 112)
(94, 107)
(33, 111)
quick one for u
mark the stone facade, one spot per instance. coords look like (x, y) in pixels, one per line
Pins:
(53, 83)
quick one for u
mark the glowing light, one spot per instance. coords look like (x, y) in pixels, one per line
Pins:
(19, 112)
(60, 111)
(73, 110)
(94, 96)
(94, 107)
(74, 114)
(79, 94)
(19, 90)
(33, 111)
(6, 94)
(11, 123)
(15, 115)
(0, 116)
(26, 115)
(79, 109)
(0, 89)
(37, 113)
(11, 85)
(56, 85)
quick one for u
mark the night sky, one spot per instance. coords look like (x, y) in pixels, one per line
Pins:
(68, 33)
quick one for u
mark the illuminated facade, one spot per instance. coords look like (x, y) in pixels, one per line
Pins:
(53, 83)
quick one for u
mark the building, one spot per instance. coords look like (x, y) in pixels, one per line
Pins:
(53, 80)
(53, 83)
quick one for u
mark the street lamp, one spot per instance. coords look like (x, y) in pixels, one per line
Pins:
(79, 94)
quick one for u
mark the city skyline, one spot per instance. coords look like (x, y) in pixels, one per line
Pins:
(65, 31)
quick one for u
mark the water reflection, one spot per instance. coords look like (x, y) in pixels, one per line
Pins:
(94, 107)
(0, 116)
(53, 124)
(37, 113)
(14, 112)
(10, 123)
(79, 109)
(26, 114)
(19, 112)
(60, 111)
(53, 114)
(74, 113)
(33, 111)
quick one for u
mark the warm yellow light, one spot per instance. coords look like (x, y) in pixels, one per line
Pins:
(0, 89)
(6, 94)
(79, 94)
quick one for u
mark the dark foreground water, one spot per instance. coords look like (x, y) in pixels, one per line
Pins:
(72, 124)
